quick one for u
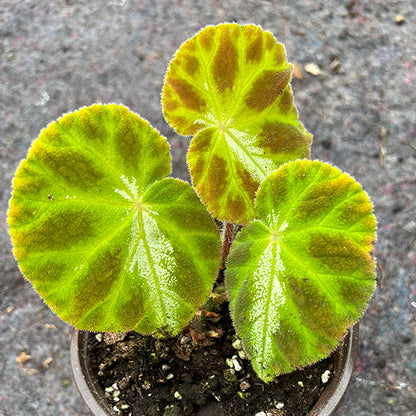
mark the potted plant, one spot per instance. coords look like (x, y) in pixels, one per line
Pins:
(285, 244)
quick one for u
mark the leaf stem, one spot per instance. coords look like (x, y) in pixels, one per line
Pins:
(227, 243)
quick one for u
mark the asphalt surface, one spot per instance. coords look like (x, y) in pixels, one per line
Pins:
(56, 56)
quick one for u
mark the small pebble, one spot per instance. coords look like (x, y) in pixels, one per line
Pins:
(229, 362)
(335, 65)
(399, 19)
(245, 385)
(124, 406)
(165, 367)
(177, 395)
(229, 374)
(297, 71)
(325, 376)
(313, 69)
(46, 363)
(242, 354)
(169, 376)
(236, 363)
(99, 337)
(185, 340)
(65, 383)
(300, 383)
(280, 405)
(23, 358)
(260, 414)
(237, 344)
(111, 339)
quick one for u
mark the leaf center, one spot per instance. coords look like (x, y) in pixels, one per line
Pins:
(222, 127)
(139, 205)
(275, 236)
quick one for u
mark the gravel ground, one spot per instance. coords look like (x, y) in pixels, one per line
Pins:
(57, 55)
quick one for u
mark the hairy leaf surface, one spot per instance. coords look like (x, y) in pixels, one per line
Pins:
(229, 86)
(107, 240)
(301, 274)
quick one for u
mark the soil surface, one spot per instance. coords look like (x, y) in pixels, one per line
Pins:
(201, 372)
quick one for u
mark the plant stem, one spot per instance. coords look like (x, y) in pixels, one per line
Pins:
(227, 243)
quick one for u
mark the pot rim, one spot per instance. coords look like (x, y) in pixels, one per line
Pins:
(87, 387)
(344, 364)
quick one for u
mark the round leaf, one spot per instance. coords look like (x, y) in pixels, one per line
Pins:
(229, 85)
(107, 240)
(301, 275)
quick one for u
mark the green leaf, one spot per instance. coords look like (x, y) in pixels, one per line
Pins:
(107, 240)
(301, 274)
(229, 85)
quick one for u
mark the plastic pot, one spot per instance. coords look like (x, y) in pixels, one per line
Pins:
(93, 394)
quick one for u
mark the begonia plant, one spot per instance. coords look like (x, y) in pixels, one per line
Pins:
(112, 243)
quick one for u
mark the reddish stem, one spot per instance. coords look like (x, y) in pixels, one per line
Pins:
(227, 243)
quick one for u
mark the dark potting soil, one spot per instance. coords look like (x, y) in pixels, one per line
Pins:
(201, 372)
